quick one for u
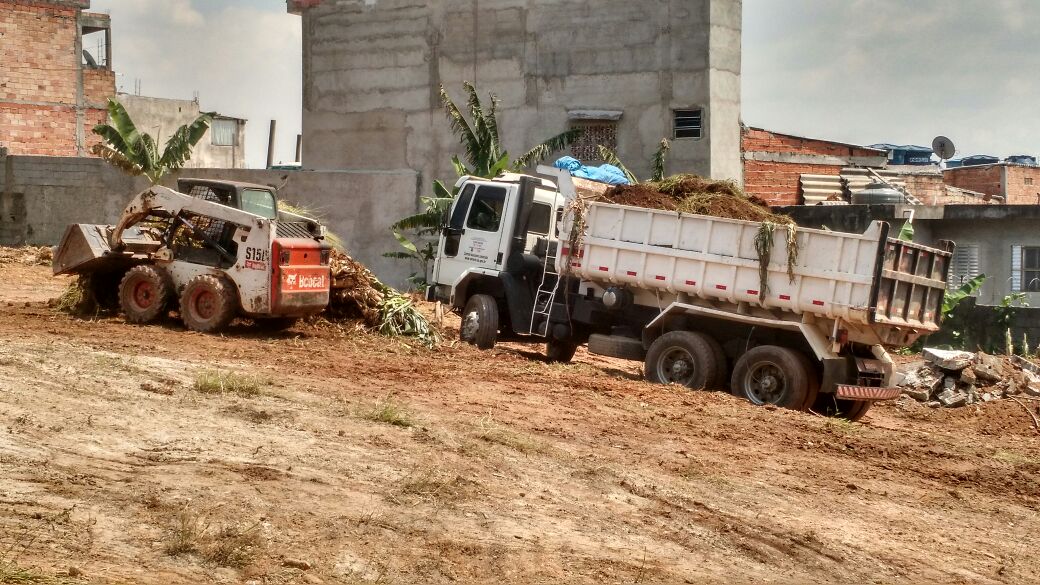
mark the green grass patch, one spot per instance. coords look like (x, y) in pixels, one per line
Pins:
(388, 412)
(214, 382)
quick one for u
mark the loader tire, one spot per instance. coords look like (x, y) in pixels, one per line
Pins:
(208, 303)
(480, 322)
(770, 374)
(686, 358)
(144, 293)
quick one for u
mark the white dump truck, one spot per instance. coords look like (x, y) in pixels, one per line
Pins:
(527, 258)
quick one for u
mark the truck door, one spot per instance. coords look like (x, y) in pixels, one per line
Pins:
(473, 237)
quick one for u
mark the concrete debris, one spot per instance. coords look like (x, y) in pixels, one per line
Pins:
(952, 379)
(949, 360)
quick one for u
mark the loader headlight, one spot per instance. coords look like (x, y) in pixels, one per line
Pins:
(284, 257)
(325, 254)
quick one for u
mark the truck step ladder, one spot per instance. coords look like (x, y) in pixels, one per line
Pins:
(546, 295)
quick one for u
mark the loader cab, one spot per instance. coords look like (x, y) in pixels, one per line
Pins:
(188, 246)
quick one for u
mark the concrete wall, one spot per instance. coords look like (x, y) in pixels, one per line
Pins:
(161, 117)
(48, 100)
(40, 196)
(372, 72)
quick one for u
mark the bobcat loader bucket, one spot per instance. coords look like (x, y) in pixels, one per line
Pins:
(84, 249)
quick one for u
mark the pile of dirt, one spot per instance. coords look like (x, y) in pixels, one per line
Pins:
(696, 195)
(27, 255)
(356, 292)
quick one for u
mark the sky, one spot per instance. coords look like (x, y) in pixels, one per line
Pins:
(858, 71)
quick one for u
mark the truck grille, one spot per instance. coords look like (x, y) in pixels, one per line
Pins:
(290, 229)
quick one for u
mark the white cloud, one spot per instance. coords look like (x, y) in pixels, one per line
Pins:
(243, 59)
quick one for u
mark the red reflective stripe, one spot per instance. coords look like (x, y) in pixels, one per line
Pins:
(752, 292)
(603, 269)
(721, 286)
(630, 273)
(566, 251)
(785, 297)
(691, 283)
(659, 277)
(818, 303)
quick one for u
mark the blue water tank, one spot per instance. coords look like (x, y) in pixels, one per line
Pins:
(954, 163)
(979, 159)
(1021, 159)
(907, 154)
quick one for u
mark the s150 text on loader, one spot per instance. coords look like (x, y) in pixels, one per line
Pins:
(523, 257)
(213, 250)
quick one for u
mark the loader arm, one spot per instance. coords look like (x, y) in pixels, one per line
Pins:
(157, 198)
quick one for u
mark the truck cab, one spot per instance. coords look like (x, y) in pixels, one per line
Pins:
(497, 247)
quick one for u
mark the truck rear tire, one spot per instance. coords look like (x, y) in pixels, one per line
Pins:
(683, 357)
(559, 351)
(480, 322)
(208, 303)
(144, 293)
(617, 346)
(771, 374)
(851, 410)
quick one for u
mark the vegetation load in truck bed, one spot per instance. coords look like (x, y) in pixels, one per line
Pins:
(697, 195)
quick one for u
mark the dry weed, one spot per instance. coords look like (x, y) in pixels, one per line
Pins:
(214, 382)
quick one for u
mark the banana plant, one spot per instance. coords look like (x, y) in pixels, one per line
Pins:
(137, 153)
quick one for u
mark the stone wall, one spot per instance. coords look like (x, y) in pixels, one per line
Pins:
(372, 71)
(40, 196)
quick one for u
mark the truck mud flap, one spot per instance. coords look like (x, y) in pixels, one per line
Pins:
(520, 302)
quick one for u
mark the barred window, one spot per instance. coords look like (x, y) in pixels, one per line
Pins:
(688, 124)
(595, 134)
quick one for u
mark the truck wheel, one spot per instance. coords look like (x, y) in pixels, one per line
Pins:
(682, 357)
(480, 322)
(208, 303)
(721, 380)
(852, 410)
(617, 346)
(144, 293)
(770, 374)
(558, 351)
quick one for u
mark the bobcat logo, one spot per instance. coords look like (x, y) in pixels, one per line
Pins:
(291, 279)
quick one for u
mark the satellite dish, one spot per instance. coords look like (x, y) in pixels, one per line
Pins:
(943, 148)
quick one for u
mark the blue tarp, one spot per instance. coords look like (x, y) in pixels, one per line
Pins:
(608, 174)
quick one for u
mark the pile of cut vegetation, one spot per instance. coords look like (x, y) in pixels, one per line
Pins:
(358, 295)
(696, 195)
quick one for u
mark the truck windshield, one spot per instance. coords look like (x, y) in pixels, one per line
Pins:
(259, 202)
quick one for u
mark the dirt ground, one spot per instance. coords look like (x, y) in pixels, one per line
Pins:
(333, 456)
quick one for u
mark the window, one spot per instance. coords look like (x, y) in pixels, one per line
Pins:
(224, 132)
(964, 266)
(259, 203)
(688, 124)
(1025, 269)
(594, 134)
(458, 215)
(1029, 180)
(539, 222)
(486, 213)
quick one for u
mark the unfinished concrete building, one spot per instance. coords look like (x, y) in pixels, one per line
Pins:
(630, 73)
(55, 77)
(223, 146)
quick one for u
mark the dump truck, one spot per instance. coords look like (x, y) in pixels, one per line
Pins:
(524, 257)
(212, 250)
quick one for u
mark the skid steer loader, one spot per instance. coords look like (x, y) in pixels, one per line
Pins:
(213, 250)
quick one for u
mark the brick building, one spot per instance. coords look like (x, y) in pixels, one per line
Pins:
(1018, 184)
(55, 77)
(774, 163)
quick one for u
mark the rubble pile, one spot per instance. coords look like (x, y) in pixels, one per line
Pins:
(27, 255)
(951, 379)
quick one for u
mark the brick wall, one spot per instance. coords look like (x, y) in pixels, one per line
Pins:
(778, 183)
(984, 179)
(98, 86)
(38, 52)
(929, 189)
(38, 130)
(1023, 185)
(758, 140)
